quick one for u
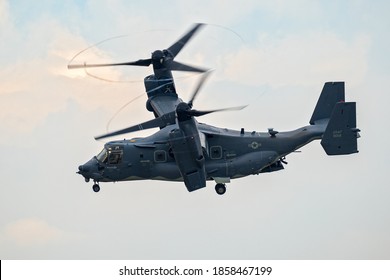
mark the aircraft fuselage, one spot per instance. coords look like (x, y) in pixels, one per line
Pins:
(228, 154)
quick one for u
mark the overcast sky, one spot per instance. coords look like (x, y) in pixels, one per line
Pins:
(273, 55)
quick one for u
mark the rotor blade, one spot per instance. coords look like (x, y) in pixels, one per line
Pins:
(198, 87)
(176, 47)
(177, 66)
(140, 62)
(197, 113)
(162, 121)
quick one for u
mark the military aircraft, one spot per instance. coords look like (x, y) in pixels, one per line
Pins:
(187, 150)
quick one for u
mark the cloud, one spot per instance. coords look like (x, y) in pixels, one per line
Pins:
(6, 25)
(38, 82)
(288, 46)
(299, 59)
(32, 232)
(3, 12)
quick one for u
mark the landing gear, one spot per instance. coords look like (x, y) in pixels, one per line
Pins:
(96, 187)
(220, 188)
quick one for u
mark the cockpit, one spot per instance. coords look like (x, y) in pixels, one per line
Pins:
(111, 155)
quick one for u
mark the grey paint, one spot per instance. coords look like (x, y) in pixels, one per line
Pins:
(232, 154)
(226, 154)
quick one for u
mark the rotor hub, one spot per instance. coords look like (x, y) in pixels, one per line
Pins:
(183, 112)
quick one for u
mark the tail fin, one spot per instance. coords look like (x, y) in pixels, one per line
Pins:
(340, 137)
(332, 93)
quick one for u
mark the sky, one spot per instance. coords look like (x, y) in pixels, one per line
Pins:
(274, 56)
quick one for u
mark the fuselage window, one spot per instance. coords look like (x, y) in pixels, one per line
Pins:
(216, 152)
(160, 156)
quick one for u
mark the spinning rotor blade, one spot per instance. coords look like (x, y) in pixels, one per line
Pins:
(197, 113)
(140, 62)
(161, 59)
(184, 110)
(162, 121)
(198, 87)
(176, 47)
(177, 66)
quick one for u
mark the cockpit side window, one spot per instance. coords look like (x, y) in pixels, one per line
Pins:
(115, 157)
(112, 155)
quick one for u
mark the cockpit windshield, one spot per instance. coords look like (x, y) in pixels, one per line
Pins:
(112, 155)
(102, 156)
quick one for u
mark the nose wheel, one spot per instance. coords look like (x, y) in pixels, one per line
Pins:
(96, 188)
(220, 188)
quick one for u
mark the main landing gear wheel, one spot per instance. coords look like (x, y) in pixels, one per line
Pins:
(220, 188)
(96, 188)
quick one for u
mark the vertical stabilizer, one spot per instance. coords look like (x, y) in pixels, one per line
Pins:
(332, 93)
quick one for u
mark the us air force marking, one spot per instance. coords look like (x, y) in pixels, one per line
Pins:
(254, 145)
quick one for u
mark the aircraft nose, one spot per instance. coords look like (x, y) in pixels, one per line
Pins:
(91, 170)
(84, 168)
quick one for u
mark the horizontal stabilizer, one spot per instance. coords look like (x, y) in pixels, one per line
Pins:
(340, 137)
